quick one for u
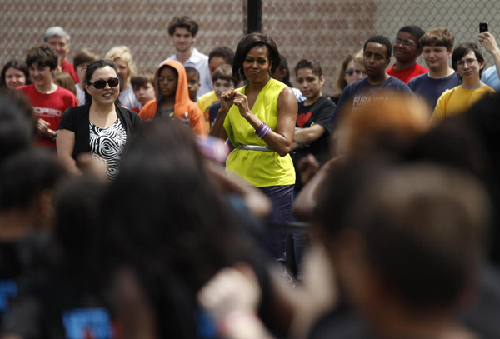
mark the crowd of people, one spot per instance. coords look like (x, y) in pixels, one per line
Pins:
(213, 199)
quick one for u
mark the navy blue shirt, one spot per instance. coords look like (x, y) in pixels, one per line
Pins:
(362, 92)
(431, 89)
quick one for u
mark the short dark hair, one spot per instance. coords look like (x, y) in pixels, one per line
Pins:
(43, 55)
(416, 31)
(383, 41)
(192, 70)
(142, 79)
(463, 49)
(255, 39)
(85, 56)
(223, 52)
(25, 175)
(437, 37)
(91, 68)
(313, 65)
(19, 65)
(17, 123)
(183, 22)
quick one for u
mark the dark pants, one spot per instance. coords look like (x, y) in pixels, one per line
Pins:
(282, 199)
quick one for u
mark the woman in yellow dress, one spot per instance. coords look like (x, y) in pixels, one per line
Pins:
(259, 121)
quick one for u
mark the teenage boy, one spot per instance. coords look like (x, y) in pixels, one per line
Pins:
(57, 38)
(217, 57)
(406, 49)
(468, 61)
(193, 82)
(376, 57)
(172, 99)
(80, 62)
(142, 85)
(222, 80)
(312, 133)
(49, 101)
(183, 32)
(437, 46)
(313, 125)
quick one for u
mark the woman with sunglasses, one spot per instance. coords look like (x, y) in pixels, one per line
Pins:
(351, 70)
(100, 127)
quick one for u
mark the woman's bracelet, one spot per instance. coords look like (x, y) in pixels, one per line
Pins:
(262, 131)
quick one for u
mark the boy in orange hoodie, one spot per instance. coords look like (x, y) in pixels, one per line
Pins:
(172, 98)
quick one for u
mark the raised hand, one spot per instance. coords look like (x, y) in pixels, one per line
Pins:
(488, 41)
(226, 99)
(241, 101)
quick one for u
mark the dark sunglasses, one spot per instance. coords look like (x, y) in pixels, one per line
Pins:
(351, 71)
(100, 84)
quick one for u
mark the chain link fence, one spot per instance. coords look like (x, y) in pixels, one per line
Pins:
(325, 31)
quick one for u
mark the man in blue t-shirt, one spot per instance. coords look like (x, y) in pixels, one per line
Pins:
(377, 53)
(437, 47)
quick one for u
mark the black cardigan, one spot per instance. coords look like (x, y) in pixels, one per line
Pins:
(76, 119)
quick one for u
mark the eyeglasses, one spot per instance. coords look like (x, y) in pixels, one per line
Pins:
(469, 62)
(403, 43)
(351, 71)
(100, 84)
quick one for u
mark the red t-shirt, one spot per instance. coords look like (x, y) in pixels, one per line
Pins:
(68, 68)
(407, 74)
(49, 107)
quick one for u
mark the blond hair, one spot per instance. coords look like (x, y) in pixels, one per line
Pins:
(122, 52)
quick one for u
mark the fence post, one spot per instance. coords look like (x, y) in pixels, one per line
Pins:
(254, 15)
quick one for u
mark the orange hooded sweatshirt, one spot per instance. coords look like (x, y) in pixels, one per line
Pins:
(184, 109)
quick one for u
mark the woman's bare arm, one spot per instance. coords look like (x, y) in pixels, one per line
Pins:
(281, 140)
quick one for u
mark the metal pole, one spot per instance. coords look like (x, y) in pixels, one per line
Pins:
(254, 16)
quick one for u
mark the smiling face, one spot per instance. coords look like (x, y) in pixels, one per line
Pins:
(468, 67)
(375, 59)
(309, 83)
(14, 78)
(183, 39)
(60, 45)
(167, 82)
(436, 57)
(256, 65)
(106, 95)
(405, 47)
(41, 76)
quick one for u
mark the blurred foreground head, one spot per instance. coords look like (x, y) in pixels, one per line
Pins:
(388, 125)
(163, 210)
(17, 124)
(407, 237)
